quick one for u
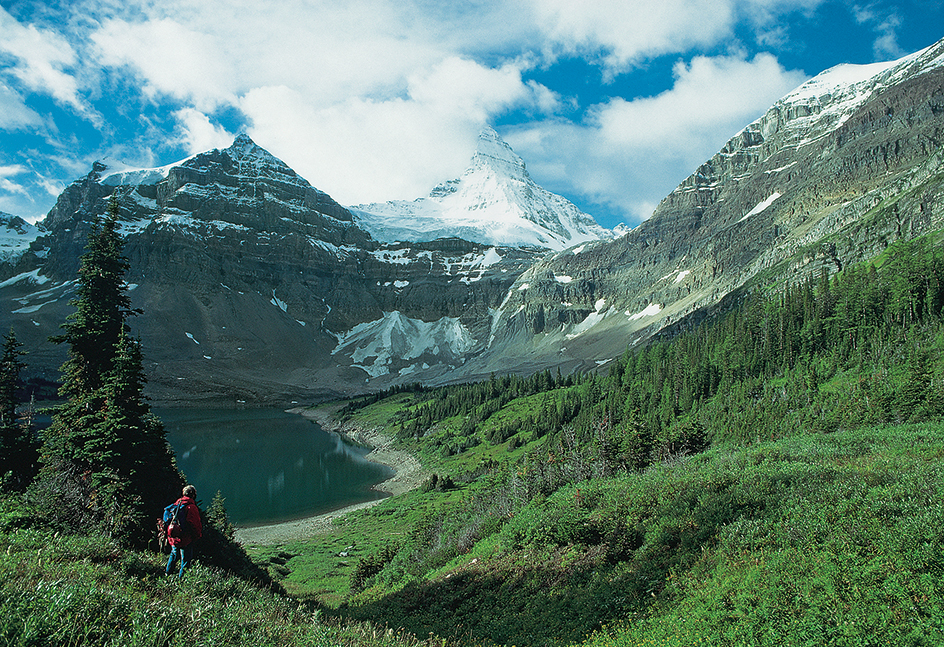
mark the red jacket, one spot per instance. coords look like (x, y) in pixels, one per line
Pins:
(193, 522)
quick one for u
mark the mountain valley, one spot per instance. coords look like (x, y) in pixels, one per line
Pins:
(256, 287)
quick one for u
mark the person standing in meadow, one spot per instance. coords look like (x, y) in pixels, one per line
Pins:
(183, 528)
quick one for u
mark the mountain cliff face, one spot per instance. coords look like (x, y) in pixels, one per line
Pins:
(833, 173)
(258, 287)
(495, 202)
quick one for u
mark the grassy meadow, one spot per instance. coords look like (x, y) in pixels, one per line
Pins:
(813, 540)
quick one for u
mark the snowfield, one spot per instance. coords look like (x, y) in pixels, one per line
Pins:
(373, 346)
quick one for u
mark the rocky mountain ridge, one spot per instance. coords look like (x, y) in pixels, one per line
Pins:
(831, 174)
(256, 285)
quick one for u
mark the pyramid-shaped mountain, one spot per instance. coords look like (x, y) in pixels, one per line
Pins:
(494, 202)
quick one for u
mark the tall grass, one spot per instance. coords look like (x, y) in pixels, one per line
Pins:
(66, 589)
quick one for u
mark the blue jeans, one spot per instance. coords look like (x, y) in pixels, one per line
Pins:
(184, 554)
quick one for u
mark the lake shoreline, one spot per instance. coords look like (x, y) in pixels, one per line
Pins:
(408, 475)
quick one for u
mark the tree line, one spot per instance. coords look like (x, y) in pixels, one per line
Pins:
(861, 346)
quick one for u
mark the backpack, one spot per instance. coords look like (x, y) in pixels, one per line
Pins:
(175, 520)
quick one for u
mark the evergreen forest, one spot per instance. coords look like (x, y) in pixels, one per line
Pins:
(823, 398)
(828, 353)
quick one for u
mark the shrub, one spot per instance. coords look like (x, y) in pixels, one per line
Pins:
(369, 566)
(62, 496)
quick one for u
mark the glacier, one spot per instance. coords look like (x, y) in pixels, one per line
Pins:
(375, 346)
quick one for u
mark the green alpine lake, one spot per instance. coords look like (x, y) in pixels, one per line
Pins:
(270, 465)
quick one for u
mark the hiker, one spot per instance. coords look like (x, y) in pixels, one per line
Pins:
(182, 532)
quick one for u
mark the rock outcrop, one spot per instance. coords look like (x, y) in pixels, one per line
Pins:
(257, 286)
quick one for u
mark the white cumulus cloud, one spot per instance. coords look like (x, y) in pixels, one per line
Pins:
(626, 32)
(623, 33)
(43, 61)
(631, 153)
(199, 134)
(364, 149)
(373, 100)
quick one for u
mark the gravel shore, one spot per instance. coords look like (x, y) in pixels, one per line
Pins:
(409, 476)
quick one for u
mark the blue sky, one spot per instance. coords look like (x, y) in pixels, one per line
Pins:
(610, 103)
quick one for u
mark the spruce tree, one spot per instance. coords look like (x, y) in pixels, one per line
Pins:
(105, 430)
(10, 367)
(17, 450)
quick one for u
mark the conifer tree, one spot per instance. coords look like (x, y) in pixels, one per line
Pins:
(218, 516)
(17, 450)
(10, 367)
(105, 430)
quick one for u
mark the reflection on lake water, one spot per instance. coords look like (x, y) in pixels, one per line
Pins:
(270, 465)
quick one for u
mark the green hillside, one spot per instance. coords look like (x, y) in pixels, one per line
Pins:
(817, 539)
(86, 589)
(768, 477)
(771, 476)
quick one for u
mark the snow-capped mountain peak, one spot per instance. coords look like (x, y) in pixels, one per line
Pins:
(492, 157)
(245, 152)
(846, 78)
(494, 202)
(16, 235)
(828, 99)
(493, 153)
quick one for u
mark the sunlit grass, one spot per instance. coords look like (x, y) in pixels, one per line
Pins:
(73, 590)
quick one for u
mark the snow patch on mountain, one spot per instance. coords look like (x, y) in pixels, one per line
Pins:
(16, 236)
(782, 168)
(761, 206)
(277, 302)
(374, 346)
(118, 173)
(400, 256)
(36, 300)
(590, 321)
(650, 310)
(495, 202)
(33, 277)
